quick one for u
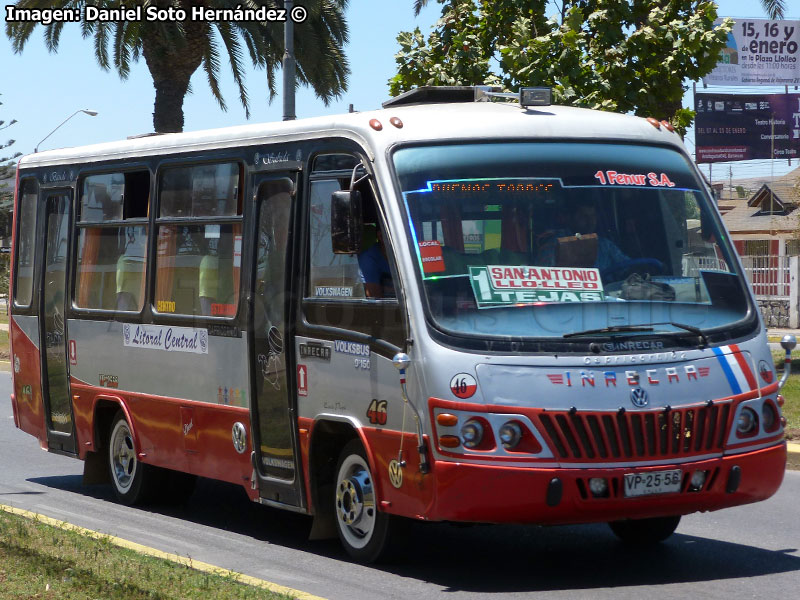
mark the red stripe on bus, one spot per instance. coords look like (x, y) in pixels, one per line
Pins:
(748, 374)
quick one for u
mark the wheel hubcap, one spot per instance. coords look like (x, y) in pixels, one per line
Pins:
(355, 502)
(124, 457)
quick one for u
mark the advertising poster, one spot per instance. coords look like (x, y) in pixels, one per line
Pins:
(746, 126)
(759, 52)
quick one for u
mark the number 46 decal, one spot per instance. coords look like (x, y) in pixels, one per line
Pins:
(463, 385)
(376, 413)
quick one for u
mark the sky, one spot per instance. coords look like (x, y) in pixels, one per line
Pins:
(40, 89)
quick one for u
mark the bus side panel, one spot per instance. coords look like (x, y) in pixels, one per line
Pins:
(25, 360)
(176, 434)
(412, 495)
(182, 404)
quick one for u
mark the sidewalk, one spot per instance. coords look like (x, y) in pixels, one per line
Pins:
(780, 332)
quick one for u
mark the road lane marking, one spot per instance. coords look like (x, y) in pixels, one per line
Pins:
(176, 558)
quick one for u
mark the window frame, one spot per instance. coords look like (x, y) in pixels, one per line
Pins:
(762, 245)
(744, 327)
(79, 225)
(390, 254)
(16, 241)
(158, 221)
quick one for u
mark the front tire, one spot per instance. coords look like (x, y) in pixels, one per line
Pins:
(363, 529)
(645, 532)
(132, 481)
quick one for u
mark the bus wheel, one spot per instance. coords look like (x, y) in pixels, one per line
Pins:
(645, 532)
(130, 479)
(363, 529)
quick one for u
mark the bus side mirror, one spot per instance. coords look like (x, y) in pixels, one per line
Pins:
(346, 222)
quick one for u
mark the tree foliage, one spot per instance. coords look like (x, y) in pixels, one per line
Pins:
(174, 50)
(619, 55)
(7, 171)
(775, 8)
(7, 168)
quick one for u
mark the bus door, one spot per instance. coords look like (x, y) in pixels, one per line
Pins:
(274, 408)
(55, 371)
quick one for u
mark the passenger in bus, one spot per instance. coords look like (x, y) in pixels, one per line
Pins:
(130, 268)
(129, 280)
(209, 283)
(374, 271)
(581, 221)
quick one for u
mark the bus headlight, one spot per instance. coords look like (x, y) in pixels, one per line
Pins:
(510, 435)
(746, 422)
(472, 433)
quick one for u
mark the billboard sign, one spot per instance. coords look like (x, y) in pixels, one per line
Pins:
(759, 52)
(746, 126)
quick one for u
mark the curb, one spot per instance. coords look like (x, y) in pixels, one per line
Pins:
(176, 558)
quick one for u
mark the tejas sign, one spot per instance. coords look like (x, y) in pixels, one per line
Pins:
(759, 52)
(742, 127)
(498, 285)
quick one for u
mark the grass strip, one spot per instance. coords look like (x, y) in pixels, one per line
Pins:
(791, 394)
(42, 561)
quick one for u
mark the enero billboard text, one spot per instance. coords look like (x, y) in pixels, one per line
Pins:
(747, 126)
(759, 52)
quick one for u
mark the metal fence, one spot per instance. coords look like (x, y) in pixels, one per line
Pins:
(769, 275)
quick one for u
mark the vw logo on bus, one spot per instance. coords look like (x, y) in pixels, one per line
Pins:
(639, 397)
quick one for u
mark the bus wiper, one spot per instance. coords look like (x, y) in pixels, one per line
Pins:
(690, 328)
(611, 329)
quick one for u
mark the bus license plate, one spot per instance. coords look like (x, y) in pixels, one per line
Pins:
(652, 482)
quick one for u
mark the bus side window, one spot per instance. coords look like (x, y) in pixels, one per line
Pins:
(23, 272)
(112, 241)
(198, 263)
(332, 276)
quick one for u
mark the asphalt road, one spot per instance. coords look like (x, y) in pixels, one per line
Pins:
(745, 552)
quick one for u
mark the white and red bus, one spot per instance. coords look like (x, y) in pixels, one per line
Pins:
(578, 337)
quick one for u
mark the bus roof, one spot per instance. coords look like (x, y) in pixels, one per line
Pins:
(420, 122)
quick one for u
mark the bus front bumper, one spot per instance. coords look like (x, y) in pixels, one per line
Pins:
(493, 494)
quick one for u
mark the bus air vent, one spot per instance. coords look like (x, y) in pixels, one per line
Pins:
(600, 436)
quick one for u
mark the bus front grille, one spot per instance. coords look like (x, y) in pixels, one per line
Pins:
(601, 436)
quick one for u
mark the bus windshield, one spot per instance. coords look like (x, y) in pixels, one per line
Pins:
(546, 240)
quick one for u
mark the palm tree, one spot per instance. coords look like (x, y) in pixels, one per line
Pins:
(173, 51)
(775, 8)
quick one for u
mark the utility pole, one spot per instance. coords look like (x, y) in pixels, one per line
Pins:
(288, 64)
(730, 181)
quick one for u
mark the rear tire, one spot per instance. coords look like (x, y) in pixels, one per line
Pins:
(362, 528)
(132, 481)
(645, 532)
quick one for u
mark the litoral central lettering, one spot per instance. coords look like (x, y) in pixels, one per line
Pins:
(179, 341)
(144, 338)
(171, 339)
